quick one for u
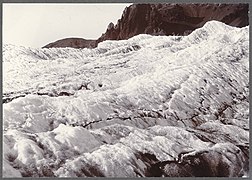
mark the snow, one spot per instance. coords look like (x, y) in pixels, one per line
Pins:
(90, 112)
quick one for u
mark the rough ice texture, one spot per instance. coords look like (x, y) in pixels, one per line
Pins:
(147, 106)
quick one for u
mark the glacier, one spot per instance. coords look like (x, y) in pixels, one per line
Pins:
(146, 106)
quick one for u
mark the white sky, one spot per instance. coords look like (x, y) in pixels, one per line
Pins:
(35, 25)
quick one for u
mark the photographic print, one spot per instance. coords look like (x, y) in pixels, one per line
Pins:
(125, 90)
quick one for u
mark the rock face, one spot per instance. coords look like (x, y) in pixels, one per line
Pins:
(169, 19)
(146, 106)
(165, 19)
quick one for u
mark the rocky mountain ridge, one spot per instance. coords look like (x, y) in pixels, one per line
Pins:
(164, 19)
(72, 42)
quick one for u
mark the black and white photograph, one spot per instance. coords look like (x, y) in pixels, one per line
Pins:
(125, 90)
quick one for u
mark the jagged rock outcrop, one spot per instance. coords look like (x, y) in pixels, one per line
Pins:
(164, 19)
(169, 19)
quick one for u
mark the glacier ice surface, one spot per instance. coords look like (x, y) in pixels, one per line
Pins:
(129, 106)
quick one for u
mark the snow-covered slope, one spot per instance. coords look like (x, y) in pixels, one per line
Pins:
(147, 106)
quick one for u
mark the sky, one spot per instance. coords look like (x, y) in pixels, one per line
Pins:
(35, 25)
